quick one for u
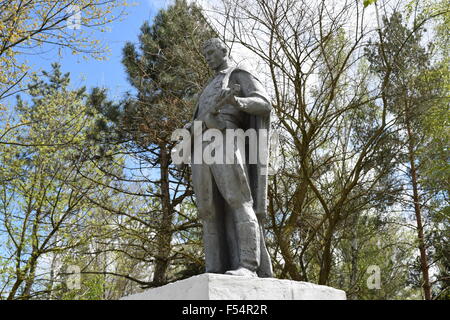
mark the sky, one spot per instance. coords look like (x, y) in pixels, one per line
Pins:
(109, 73)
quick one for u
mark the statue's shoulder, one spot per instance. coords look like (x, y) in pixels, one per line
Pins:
(244, 73)
(242, 69)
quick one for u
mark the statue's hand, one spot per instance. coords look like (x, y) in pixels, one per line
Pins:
(228, 96)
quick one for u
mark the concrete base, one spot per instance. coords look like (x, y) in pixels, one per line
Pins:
(210, 286)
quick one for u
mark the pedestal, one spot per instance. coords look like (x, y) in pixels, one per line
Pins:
(210, 286)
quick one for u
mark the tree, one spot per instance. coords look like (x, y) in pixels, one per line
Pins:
(336, 166)
(404, 64)
(28, 25)
(166, 70)
(44, 208)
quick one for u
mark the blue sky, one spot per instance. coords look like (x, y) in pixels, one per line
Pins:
(109, 73)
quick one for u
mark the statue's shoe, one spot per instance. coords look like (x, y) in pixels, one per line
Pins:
(242, 272)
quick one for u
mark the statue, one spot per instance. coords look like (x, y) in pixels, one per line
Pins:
(231, 198)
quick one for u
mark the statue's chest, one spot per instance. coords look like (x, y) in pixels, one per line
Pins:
(210, 94)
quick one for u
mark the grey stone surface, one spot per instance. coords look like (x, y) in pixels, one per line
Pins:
(210, 286)
(231, 198)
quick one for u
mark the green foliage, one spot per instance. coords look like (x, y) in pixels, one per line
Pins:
(367, 3)
(45, 177)
(86, 181)
(434, 153)
(167, 69)
(34, 24)
(416, 92)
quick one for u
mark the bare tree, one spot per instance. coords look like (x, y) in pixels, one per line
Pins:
(336, 129)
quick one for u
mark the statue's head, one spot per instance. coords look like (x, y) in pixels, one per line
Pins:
(215, 52)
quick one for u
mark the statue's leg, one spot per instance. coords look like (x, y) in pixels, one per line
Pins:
(247, 230)
(210, 206)
(230, 227)
(215, 245)
(232, 182)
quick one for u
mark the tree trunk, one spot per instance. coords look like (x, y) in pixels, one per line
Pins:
(354, 258)
(14, 288)
(417, 210)
(164, 235)
(287, 231)
(327, 259)
(30, 280)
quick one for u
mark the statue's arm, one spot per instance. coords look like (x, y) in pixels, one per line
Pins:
(252, 98)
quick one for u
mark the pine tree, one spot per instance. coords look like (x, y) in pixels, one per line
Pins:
(166, 69)
(399, 59)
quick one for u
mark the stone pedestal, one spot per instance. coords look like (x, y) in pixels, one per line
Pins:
(210, 286)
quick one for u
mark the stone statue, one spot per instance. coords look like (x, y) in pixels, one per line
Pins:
(231, 198)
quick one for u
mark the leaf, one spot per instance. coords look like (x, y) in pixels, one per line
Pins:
(368, 2)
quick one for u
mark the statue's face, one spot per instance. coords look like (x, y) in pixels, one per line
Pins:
(214, 56)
